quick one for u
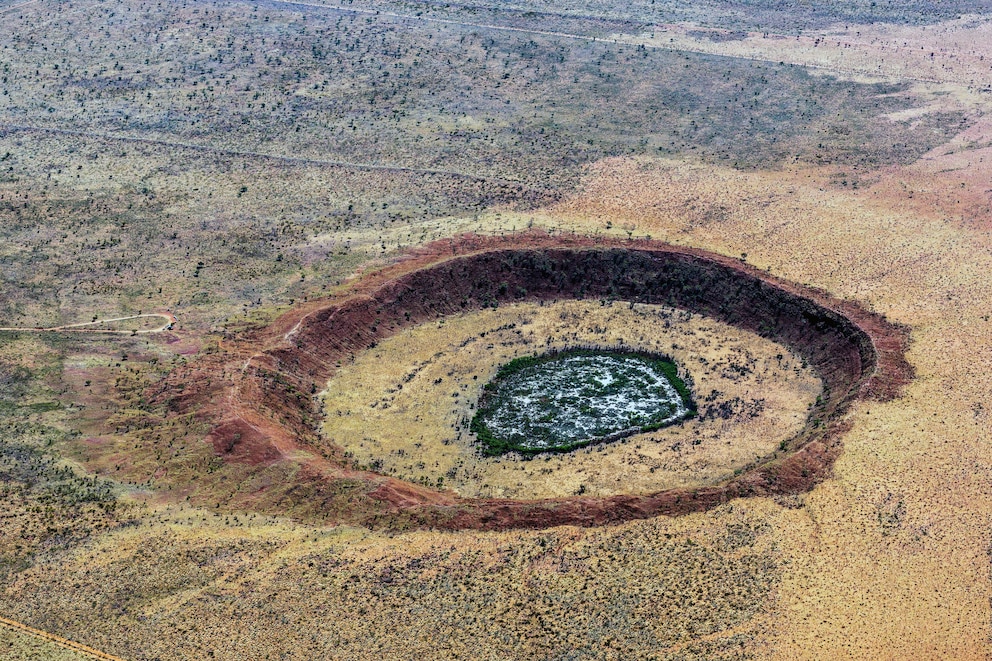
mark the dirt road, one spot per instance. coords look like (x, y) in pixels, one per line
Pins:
(87, 327)
(83, 650)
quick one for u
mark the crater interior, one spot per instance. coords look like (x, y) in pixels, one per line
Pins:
(403, 408)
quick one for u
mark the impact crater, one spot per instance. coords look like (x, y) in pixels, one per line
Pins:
(266, 411)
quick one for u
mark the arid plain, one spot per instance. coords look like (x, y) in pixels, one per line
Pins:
(231, 163)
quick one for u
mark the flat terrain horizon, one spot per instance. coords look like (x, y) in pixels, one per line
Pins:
(176, 178)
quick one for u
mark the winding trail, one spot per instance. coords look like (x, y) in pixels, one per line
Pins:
(620, 39)
(85, 327)
(243, 153)
(84, 650)
(13, 7)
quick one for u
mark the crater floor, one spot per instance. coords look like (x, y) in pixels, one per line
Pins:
(403, 408)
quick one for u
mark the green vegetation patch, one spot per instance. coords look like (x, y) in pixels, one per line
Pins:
(560, 401)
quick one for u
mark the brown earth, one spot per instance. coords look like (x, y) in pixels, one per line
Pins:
(264, 410)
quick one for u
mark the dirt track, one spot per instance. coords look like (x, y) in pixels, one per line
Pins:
(299, 160)
(79, 648)
(87, 327)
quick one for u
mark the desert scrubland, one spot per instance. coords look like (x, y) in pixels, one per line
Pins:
(233, 163)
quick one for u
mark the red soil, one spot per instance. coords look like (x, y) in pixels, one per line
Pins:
(257, 392)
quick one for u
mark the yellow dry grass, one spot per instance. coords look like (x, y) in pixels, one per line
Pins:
(889, 558)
